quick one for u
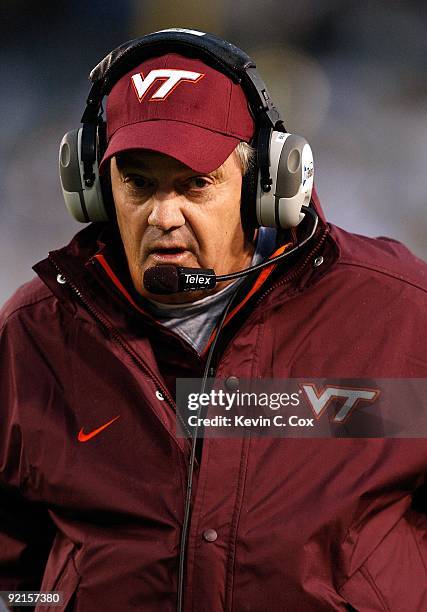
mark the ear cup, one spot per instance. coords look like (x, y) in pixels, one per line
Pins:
(248, 200)
(291, 170)
(84, 202)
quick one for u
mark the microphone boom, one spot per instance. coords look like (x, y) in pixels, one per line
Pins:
(166, 279)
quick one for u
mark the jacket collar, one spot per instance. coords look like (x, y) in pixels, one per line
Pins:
(315, 202)
(95, 263)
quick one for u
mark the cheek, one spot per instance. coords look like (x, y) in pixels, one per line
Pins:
(131, 226)
(221, 225)
(229, 220)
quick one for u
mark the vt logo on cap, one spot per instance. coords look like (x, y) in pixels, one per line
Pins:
(173, 78)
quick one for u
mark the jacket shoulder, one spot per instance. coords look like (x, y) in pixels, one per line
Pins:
(382, 255)
(29, 294)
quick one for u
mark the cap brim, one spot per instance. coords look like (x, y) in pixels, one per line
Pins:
(200, 149)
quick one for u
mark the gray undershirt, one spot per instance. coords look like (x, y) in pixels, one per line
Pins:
(196, 321)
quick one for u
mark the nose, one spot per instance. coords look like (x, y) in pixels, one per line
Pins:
(166, 212)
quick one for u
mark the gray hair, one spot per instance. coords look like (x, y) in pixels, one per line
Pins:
(246, 155)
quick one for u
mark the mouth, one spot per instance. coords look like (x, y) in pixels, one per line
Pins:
(169, 254)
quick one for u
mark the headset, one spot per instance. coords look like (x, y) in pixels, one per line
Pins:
(273, 191)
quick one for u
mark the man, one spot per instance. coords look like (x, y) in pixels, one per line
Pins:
(93, 476)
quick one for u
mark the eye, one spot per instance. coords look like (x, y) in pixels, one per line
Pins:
(137, 181)
(198, 182)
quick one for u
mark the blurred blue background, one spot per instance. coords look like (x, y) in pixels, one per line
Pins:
(350, 76)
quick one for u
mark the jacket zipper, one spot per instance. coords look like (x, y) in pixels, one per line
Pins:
(99, 272)
(119, 340)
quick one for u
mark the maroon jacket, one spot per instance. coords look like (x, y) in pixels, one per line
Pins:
(306, 525)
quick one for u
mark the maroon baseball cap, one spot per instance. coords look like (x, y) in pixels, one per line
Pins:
(181, 107)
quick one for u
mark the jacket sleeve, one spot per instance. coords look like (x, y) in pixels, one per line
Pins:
(26, 530)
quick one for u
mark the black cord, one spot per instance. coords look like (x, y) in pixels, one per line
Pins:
(263, 264)
(187, 508)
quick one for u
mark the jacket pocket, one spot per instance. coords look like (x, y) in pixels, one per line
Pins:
(65, 581)
(394, 576)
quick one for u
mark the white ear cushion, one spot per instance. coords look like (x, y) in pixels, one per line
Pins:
(291, 170)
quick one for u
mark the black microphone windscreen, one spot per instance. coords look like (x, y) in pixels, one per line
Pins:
(162, 279)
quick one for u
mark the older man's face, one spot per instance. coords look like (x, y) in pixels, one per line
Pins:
(169, 214)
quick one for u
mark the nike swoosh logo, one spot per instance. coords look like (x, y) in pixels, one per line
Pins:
(82, 437)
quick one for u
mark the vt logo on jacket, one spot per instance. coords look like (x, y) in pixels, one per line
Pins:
(320, 400)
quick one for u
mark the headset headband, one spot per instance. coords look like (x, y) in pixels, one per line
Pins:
(219, 54)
